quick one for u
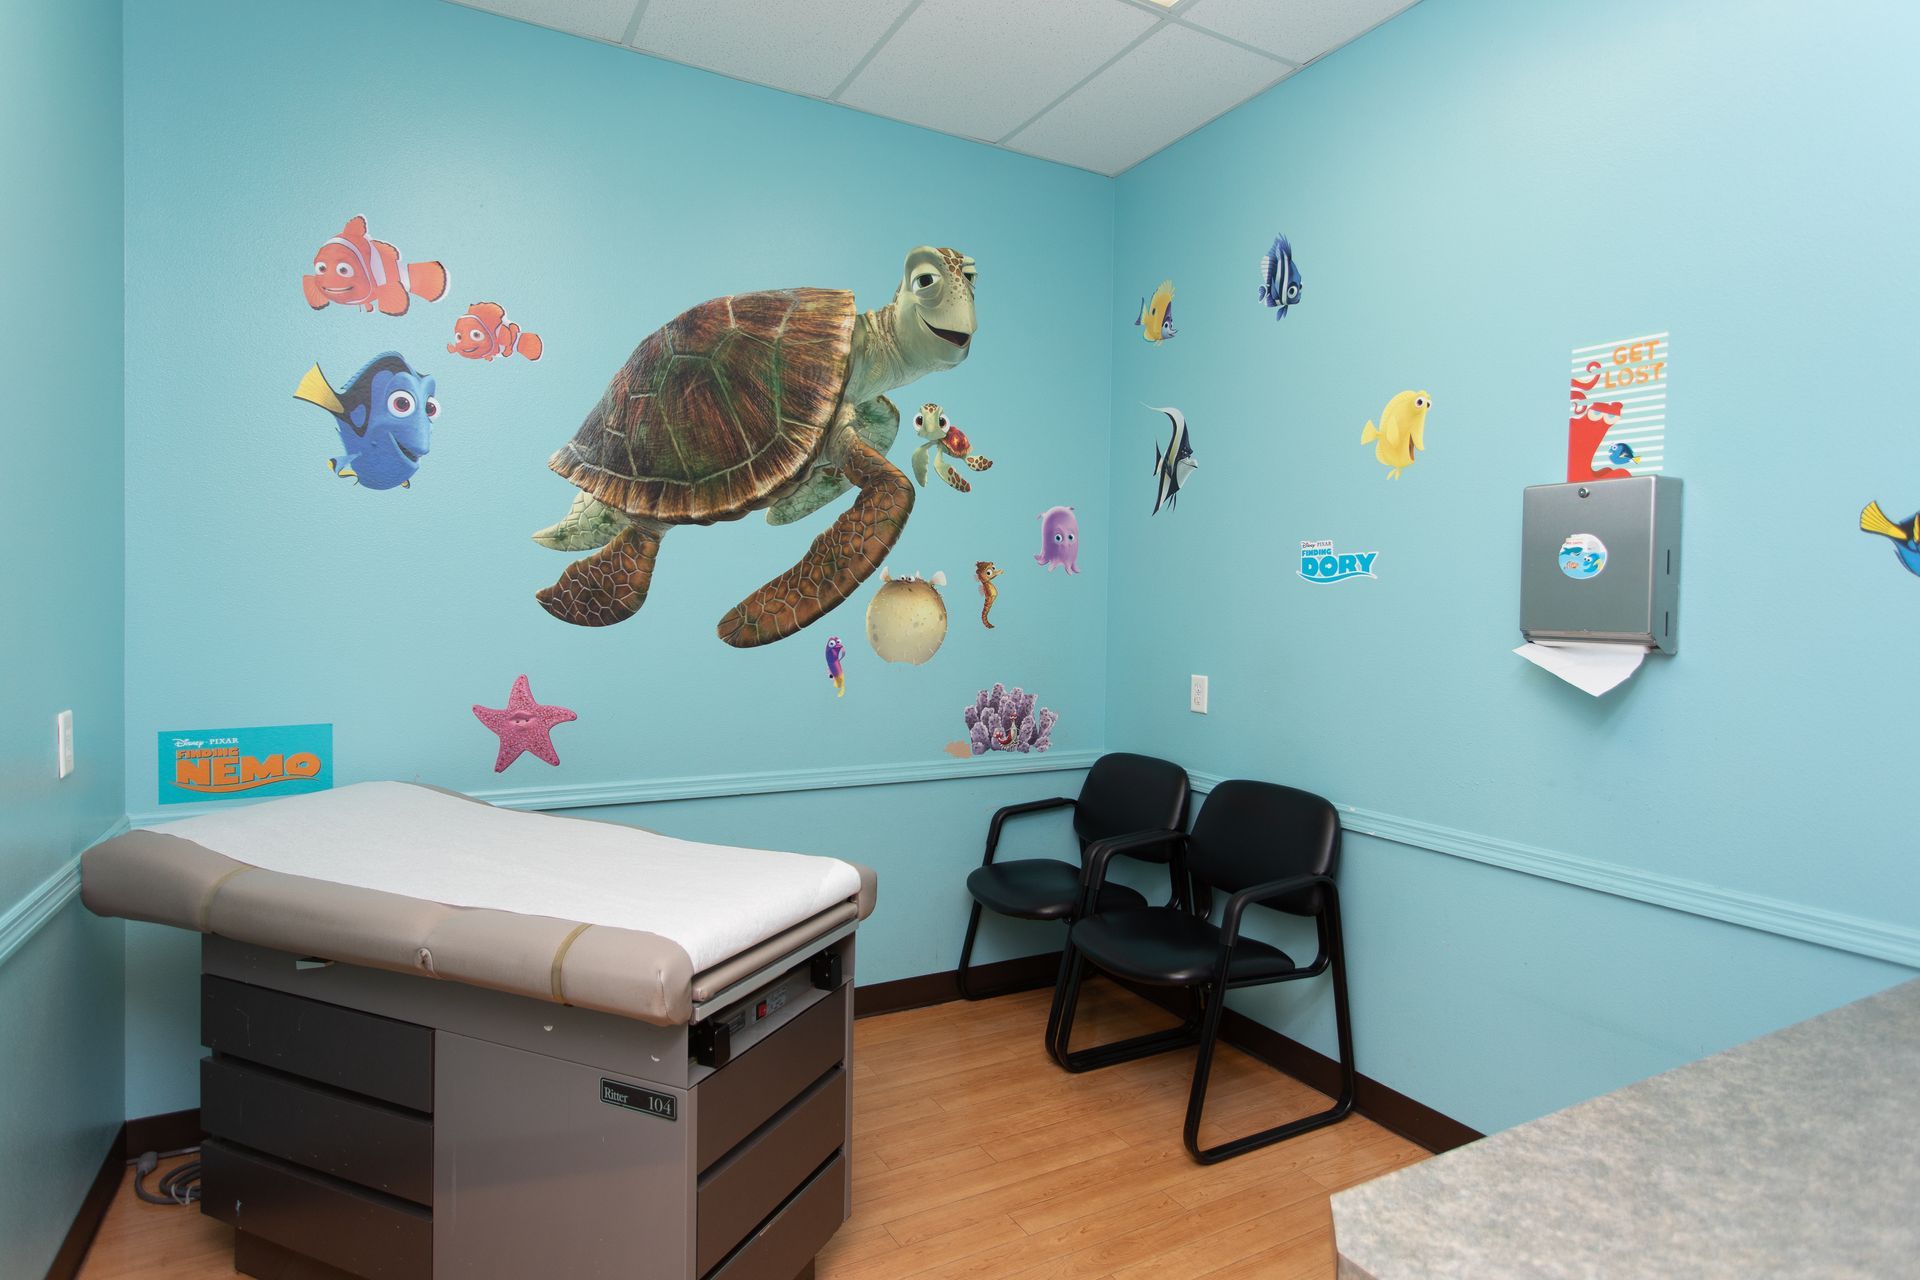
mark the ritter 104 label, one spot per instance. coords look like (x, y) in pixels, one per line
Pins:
(648, 1102)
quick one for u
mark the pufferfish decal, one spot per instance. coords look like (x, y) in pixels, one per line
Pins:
(384, 418)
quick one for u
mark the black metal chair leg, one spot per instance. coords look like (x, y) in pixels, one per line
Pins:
(966, 957)
(1066, 1001)
(1066, 997)
(1196, 1099)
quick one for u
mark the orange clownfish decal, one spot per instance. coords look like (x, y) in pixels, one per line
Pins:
(352, 270)
(485, 332)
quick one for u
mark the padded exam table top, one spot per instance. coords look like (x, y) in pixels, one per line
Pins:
(419, 880)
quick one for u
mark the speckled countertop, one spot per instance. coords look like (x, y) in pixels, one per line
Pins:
(1797, 1154)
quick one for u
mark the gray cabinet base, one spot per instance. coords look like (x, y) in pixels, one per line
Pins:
(560, 1142)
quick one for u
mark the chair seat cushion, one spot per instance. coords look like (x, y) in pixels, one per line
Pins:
(1040, 889)
(1169, 948)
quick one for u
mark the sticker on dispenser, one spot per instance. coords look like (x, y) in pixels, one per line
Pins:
(1320, 563)
(1582, 556)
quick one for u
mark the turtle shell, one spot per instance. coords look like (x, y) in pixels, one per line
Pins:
(718, 409)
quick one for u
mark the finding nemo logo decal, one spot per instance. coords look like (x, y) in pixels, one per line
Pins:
(220, 764)
(1320, 563)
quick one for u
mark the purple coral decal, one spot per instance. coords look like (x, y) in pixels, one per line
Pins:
(1059, 539)
(1005, 720)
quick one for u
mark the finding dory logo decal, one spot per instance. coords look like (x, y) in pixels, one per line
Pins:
(1323, 565)
(217, 764)
(1319, 563)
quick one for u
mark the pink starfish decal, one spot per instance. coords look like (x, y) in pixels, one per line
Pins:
(523, 725)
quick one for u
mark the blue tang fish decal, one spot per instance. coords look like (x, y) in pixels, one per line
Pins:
(1279, 278)
(385, 418)
(1905, 536)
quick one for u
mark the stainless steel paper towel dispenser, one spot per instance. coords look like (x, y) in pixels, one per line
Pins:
(1600, 561)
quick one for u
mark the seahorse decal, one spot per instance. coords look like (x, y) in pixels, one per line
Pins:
(985, 571)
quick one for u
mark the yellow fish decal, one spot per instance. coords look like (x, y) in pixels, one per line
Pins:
(1402, 431)
(1156, 314)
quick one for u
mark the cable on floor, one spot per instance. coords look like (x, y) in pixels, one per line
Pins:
(179, 1185)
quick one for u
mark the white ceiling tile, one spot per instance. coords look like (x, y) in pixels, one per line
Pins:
(980, 68)
(803, 46)
(595, 19)
(1297, 30)
(1176, 81)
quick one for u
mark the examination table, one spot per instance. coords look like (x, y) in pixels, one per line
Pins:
(452, 1040)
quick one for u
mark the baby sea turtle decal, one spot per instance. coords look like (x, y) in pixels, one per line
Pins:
(944, 440)
(757, 401)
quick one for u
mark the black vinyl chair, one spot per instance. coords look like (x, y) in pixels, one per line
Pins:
(1262, 844)
(1124, 795)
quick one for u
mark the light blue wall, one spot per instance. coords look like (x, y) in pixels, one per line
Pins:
(1472, 191)
(595, 193)
(61, 521)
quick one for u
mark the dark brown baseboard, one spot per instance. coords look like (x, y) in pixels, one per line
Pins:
(93, 1211)
(1386, 1107)
(1389, 1108)
(1002, 977)
(174, 1131)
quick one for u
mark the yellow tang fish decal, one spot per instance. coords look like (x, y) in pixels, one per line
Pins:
(1156, 314)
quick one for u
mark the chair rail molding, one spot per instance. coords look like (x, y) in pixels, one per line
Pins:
(1876, 939)
(45, 900)
(597, 795)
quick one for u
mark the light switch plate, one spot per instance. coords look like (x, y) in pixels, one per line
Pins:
(63, 741)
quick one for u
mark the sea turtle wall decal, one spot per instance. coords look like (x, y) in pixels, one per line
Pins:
(757, 401)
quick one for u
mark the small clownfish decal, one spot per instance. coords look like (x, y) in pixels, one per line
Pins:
(354, 270)
(485, 332)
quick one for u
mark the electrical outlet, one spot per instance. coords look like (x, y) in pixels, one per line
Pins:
(1197, 696)
(63, 741)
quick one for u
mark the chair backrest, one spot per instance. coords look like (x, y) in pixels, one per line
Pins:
(1125, 793)
(1251, 832)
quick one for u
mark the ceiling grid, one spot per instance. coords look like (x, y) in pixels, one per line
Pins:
(1096, 84)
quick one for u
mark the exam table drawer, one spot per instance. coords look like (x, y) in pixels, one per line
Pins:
(359, 1052)
(790, 1239)
(365, 1142)
(746, 1186)
(360, 1232)
(744, 1094)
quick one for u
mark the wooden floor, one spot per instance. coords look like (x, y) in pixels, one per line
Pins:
(974, 1156)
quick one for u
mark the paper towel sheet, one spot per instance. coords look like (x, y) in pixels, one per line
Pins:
(1593, 667)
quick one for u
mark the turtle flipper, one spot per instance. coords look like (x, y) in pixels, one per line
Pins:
(839, 560)
(877, 422)
(978, 463)
(608, 586)
(957, 480)
(920, 464)
(589, 523)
